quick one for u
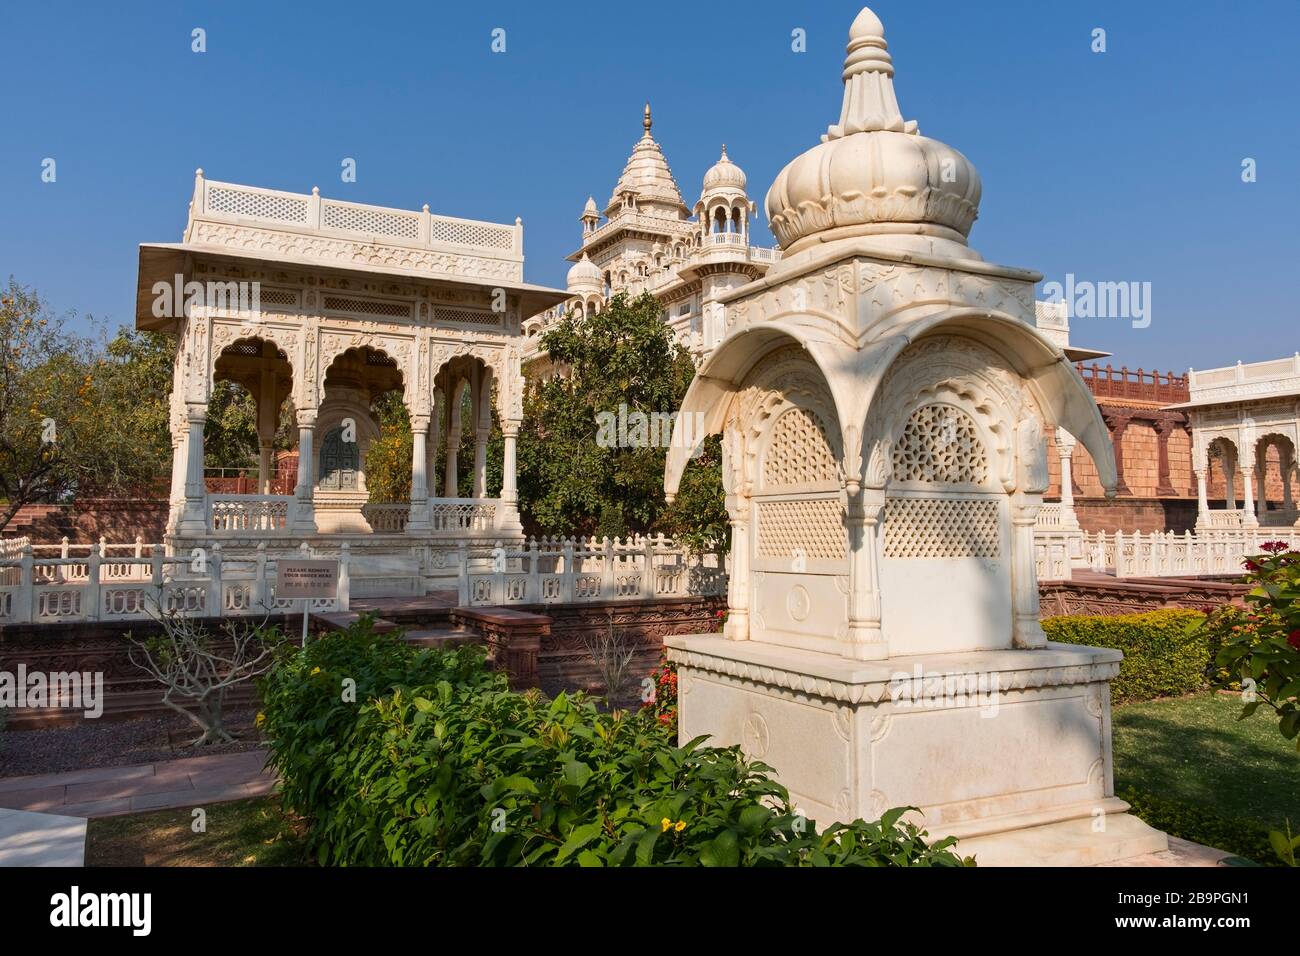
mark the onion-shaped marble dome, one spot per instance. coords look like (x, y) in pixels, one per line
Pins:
(873, 173)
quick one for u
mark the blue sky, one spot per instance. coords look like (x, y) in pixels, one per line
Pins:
(1122, 166)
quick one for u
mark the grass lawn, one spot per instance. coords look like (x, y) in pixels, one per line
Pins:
(242, 833)
(1203, 774)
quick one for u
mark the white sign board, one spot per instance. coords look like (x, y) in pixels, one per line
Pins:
(316, 578)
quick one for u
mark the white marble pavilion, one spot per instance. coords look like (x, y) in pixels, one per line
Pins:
(329, 305)
(1238, 414)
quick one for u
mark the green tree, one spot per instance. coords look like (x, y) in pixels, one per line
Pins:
(50, 424)
(616, 364)
(388, 459)
(134, 379)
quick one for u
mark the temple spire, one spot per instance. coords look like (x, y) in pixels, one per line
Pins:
(647, 122)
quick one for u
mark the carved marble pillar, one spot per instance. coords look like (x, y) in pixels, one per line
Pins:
(453, 448)
(1026, 502)
(194, 516)
(1117, 422)
(1229, 466)
(1288, 466)
(435, 436)
(268, 415)
(265, 463)
(1202, 497)
(1065, 444)
(1026, 628)
(417, 521)
(176, 502)
(737, 626)
(866, 640)
(1261, 490)
(480, 462)
(1248, 519)
(509, 488)
(305, 505)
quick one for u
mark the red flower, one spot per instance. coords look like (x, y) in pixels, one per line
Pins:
(1274, 547)
(1294, 639)
(1250, 565)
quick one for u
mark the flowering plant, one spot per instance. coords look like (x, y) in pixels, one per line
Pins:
(1261, 643)
(661, 700)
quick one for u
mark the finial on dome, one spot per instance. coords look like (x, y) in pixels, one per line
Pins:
(646, 122)
(724, 150)
(866, 24)
(869, 100)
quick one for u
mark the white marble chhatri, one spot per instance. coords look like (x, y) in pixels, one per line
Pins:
(882, 393)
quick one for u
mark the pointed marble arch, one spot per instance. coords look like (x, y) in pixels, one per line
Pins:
(854, 377)
(227, 334)
(503, 367)
(708, 399)
(398, 348)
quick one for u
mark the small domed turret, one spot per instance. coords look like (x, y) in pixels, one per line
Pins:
(724, 174)
(584, 276)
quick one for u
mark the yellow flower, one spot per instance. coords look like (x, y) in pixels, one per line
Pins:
(315, 671)
(681, 825)
(665, 823)
(259, 720)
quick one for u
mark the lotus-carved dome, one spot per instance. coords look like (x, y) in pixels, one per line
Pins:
(584, 274)
(873, 173)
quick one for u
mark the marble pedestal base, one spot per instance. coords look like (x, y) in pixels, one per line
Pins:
(1007, 750)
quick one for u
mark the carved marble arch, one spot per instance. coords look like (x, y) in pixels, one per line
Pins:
(950, 462)
(987, 403)
(452, 373)
(1220, 450)
(399, 352)
(1284, 443)
(229, 340)
(784, 381)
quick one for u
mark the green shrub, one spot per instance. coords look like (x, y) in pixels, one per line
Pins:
(1201, 824)
(312, 696)
(1162, 657)
(1261, 642)
(438, 763)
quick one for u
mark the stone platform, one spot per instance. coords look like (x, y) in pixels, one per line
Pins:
(1007, 750)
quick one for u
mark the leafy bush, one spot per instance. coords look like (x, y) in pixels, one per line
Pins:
(1202, 824)
(438, 763)
(1261, 643)
(1163, 657)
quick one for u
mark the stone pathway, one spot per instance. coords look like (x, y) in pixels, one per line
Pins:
(41, 839)
(112, 791)
(1180, 853)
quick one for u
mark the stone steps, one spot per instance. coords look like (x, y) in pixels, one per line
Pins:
(441, 637)
(342, 620)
